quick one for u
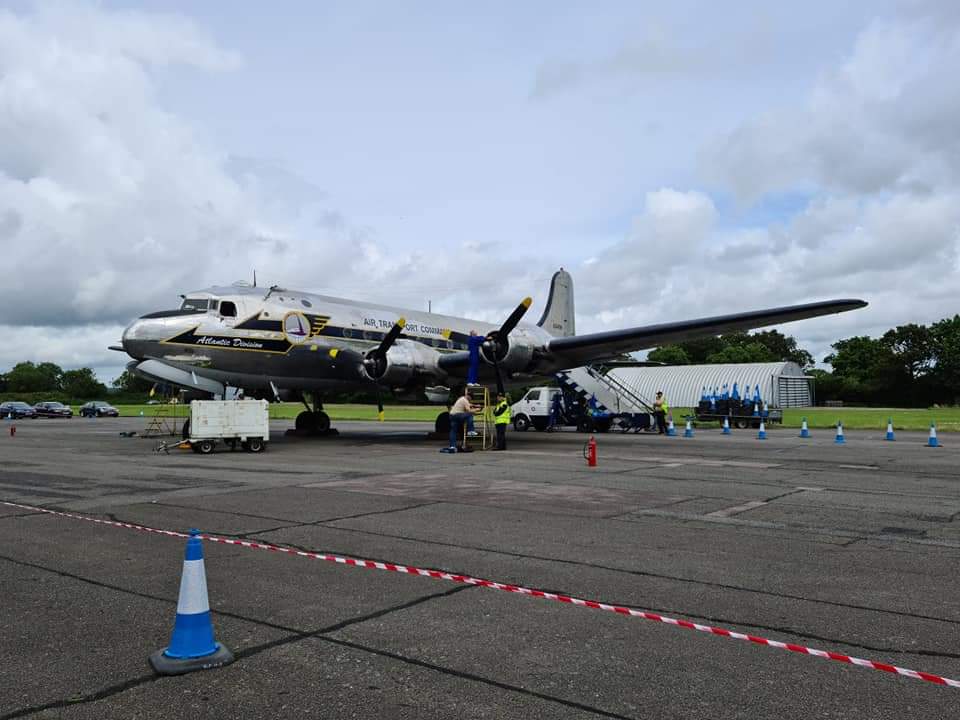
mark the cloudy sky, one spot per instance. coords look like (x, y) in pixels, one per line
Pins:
(680, 160)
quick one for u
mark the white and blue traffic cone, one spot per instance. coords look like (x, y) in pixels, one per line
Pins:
(688, 432)
(932, 440)
(804, 429)
(890, 430)
(192, 646)
(726, 426)
(762, 435)
(839, 439)
(671, 430)
(756, 410)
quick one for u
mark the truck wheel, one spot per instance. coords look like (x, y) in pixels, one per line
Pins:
(585, 425)
(521, 423)
(741, 423)
(205, 447)
(255, 445)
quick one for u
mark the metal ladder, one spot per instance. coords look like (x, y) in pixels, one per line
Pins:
(479, 395)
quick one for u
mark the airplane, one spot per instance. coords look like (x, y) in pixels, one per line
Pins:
(288, 344)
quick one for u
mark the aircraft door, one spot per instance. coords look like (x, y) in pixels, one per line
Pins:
(227, 311)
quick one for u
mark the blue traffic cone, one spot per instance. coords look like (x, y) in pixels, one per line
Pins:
(726, 426)
(804, 429)
(839, 440)
(671, 430)
(192, 646)
(889, 430)
(756, 410)
(932, 440)
(762, 435)
(688, 432)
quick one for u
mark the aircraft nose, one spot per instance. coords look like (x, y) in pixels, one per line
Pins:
(132, 339)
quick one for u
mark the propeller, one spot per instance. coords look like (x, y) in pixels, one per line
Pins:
(496, 345)
(375, 361)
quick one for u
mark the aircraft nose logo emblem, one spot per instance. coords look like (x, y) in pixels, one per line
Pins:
(296, 328)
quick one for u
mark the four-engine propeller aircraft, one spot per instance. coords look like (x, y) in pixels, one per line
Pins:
(289, 343)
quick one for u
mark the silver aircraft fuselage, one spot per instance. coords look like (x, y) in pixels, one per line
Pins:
(256, 338)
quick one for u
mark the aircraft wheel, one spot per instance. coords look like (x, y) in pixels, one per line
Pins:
(442, 424)
(321, 422)
(306, 422)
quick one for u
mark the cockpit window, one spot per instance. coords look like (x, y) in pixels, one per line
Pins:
(228, 309)
(195, 304)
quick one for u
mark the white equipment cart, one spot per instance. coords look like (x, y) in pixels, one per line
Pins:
(229, 421)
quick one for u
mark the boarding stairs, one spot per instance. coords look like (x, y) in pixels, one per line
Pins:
(479, 396)
(610, 393)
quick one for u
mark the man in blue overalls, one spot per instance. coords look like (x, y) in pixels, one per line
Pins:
(473, 345)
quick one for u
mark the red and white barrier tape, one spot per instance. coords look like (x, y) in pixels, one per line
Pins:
(480, 582)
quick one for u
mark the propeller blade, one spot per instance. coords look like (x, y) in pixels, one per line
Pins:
(375, 360)
(391, 337)
(496, 370)
(380, 414)
(515, 317)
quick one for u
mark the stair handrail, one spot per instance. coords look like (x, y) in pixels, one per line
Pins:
(618, 387)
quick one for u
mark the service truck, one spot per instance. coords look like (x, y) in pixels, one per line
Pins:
(246, 422)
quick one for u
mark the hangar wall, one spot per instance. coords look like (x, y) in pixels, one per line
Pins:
(782, 384)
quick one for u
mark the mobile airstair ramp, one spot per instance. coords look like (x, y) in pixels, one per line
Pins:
(627, 409)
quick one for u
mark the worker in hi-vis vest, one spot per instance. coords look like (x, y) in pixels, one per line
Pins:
(501, 418)
(660, 410)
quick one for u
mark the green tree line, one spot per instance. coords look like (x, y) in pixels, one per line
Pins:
(908, 366)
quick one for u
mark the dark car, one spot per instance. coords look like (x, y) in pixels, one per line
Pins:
(17, 409)
(98, 408)
(53, 410)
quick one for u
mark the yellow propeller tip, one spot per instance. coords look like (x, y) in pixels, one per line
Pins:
(380, 416)
(527, 302)
(402, 322)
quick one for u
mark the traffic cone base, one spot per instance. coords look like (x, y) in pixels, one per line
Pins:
(192, 645)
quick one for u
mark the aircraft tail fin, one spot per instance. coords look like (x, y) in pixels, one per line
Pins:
(558, 315)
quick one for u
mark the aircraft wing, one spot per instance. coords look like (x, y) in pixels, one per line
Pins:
(562, 353)
(577, 350)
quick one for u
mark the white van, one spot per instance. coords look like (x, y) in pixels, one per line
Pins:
(534, 408)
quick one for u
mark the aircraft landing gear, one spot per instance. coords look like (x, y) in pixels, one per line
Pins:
(313, 421)
(442, 424)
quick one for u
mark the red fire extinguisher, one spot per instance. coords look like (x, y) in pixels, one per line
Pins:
(590, 452)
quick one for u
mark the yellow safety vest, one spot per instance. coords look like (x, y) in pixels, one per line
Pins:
(501, 413)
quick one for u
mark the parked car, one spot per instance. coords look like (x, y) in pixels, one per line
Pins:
(15, 409)
(53, 410)
(98, 408)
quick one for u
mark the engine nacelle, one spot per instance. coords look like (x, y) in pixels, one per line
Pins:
(404, 362)
(520, 347)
